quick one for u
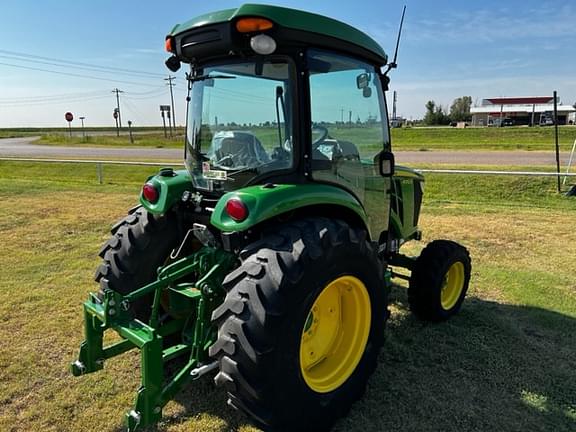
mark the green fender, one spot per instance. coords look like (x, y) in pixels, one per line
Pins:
(267, 201)
(171, 188)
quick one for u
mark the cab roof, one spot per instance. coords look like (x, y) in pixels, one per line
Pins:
(292, 19)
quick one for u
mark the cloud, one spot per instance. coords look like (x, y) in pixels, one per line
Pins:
(149, 50)
(495, 25)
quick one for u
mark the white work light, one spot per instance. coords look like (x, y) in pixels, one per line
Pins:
(263, 44)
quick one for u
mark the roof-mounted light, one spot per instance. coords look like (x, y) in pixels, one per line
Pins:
(249, 25)
(263, 44)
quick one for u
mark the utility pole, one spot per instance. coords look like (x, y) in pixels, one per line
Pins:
(118, 105)
(171, 84)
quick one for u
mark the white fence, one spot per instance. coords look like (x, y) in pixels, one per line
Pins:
(100, 163)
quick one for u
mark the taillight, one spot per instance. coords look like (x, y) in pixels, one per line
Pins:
(236, 209)
(150, 192)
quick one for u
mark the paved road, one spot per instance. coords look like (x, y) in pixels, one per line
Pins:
(525, 158)
(23, 147)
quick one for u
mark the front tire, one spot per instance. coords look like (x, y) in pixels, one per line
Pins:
(302, 324)
(439, 280)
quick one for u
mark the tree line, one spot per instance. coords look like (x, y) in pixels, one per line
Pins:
(436, 114)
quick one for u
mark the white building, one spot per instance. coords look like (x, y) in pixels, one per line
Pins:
(536, 110)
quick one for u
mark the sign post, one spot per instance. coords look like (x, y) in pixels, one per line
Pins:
(165, 108)
(69, 117)
(83, 132)
(556, 139)
(130, 131)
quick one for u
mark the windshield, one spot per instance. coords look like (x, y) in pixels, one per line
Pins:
(239, 125)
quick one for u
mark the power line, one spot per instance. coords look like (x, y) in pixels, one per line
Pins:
(151, 96)
(147, 92)
(51, 102)
(66, 96)
(76, 75)
(85, 65)
(51, 97)
(74, 67)
(135, 111)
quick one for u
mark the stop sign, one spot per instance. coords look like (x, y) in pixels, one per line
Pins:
(69, 116)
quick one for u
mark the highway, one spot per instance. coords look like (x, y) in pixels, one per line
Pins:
(24, 147)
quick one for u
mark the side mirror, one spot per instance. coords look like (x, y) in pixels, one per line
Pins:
(386, 163)
(173, 63)
(362, 81)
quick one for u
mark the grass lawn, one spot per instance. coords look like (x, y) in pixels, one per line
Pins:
(506, 362)
(505, 138)
(152, 139)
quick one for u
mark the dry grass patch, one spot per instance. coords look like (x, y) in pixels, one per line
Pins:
(505, 363)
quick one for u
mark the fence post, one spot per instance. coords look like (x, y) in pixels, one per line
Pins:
(99, 172)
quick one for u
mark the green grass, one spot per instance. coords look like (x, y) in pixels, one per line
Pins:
(75, 129)
(140, 140)
(8, 133)
(506, 138)
(506, 362)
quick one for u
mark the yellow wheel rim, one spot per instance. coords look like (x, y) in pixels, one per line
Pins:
(335, 334)
(452, 286)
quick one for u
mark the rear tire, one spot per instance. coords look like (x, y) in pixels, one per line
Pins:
(140, 243)
(439, 280)
(267, 321)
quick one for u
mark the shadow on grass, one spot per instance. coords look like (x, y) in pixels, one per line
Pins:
(494, 367)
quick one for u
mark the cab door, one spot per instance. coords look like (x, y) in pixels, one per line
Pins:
(349, 131)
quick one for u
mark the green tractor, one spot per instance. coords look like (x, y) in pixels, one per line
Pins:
(267, 263)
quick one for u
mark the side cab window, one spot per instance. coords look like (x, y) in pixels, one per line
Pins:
(349, 120)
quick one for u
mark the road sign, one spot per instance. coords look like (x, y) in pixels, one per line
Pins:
(69, 116)
(165, 108)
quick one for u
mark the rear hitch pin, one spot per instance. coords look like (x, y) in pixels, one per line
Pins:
(176, 252)
(203, 370)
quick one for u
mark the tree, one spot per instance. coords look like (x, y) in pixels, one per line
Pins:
(429, 117)
(460, 109)
(435, 114)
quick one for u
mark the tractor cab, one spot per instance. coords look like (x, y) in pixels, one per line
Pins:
(280, 96)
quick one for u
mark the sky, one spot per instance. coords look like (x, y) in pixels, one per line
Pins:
(448, 49)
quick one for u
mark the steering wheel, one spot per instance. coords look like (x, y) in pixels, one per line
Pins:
(323, 136)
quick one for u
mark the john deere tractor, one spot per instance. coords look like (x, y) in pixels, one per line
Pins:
(267, 263)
